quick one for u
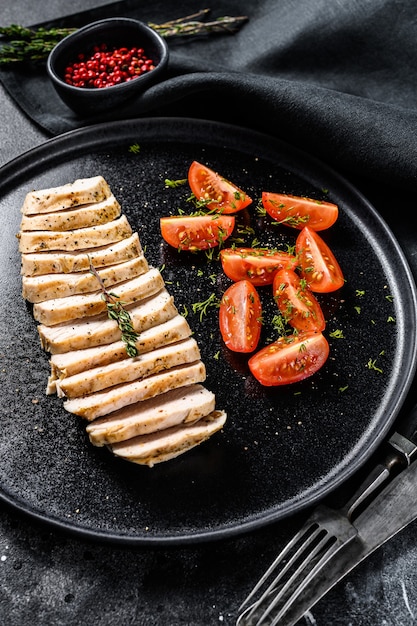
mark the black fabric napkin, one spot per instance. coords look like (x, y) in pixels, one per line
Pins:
(335, 78)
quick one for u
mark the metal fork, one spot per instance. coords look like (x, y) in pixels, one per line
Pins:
(326, 534)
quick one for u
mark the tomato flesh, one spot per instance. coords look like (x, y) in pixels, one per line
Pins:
(218, 194)
(240, 317)
(258, 265)
(199, 232)
(296, 303)
(318, 264)
(299, 211)
(290, 359)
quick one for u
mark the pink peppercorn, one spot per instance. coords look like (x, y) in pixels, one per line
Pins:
(104, 68)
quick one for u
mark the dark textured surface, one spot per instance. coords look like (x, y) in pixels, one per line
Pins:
(49, 577)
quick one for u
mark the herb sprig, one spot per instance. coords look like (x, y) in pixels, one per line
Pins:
(190, 25)
(35, 44)
(115, 311)
(202, 307)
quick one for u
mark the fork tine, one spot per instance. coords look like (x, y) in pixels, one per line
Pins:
(280, 558)
(307, 556)
(325, 543)
(331, 547)
(302, 586)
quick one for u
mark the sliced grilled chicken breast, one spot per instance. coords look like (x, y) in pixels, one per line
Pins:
(105, 402)
(147, 409)
(60, 310)
(179, 406)
(81, 191)
(50, 286)
(78, 239)
(130, 369)
(83, 217)
(76, 361)
(99, 331)
(170, 442)
(52, 262)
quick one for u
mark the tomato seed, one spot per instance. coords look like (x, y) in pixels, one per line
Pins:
(317, 276)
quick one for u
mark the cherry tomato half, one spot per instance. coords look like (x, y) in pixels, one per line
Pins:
(222, 196)
(258, 265)
(318, 263)
(289, 359)
(296, 302)
(299, 211)
(199, 232)
(240, 317)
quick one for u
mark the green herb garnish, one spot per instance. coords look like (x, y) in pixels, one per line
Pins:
(134, 148)
(35, 44)
(173, 184)
(117, 312)
(202, 307)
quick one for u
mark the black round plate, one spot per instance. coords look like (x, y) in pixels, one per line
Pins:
(283, 448)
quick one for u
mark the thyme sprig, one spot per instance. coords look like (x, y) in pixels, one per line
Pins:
(191, 26)
(115, 311)
(35, 44)
(27, 44)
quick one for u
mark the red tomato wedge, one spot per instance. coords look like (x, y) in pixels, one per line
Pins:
(317, 262)
(299, 211)
(290, 359)
(258, 265)
(240, 317)
(199, 232)
(296, 303)
(219, 194)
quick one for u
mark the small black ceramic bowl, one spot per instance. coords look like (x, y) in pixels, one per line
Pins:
(115, 33)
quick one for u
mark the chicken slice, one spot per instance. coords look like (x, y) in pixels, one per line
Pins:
(78, 239)
(50, 286)
(76, 361)
(82, 217)
(130, 369)
(99, 331)
(60, 310)
(105, 402)
(169, 443)
(179, 406)
(51, 262)
(81, 191)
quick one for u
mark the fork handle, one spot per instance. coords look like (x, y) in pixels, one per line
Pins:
(372, 485)
(402, 451)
